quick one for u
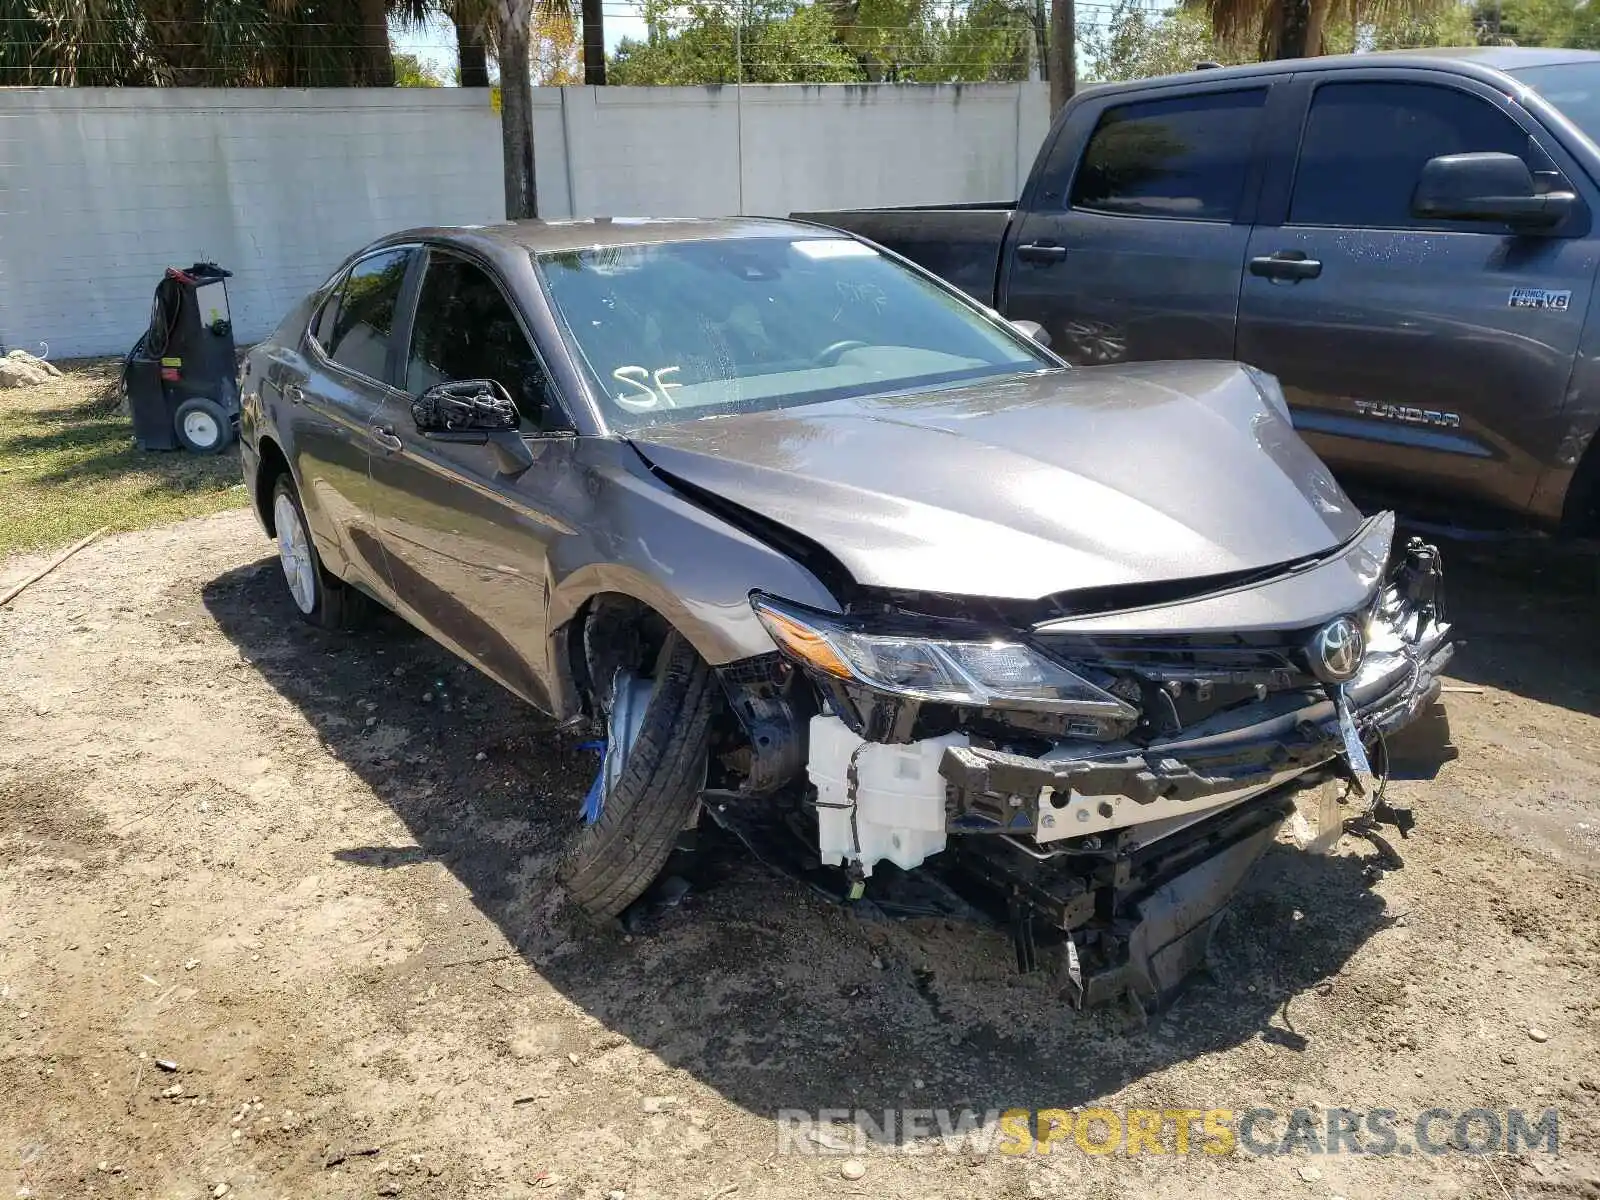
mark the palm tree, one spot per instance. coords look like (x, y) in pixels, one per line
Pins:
(593, 20)
(163, 43)
(1297, 28)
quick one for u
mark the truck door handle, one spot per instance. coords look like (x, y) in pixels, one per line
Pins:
(1290, 265)
(1041, 252)
(294, 394)
(384, 435)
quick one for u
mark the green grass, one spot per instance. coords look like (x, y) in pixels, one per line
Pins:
(68, 466)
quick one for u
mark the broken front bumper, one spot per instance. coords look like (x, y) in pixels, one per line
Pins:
(1066, 794)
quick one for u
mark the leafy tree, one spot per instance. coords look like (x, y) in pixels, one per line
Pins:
(697, 43)
(1138, 42)
(411, 71)
(781, 41)
(557, 58)
(1537, 23)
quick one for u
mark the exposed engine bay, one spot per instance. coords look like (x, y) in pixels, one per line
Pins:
(1105, 771)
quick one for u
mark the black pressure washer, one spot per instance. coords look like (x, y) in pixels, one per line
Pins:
(180, 377)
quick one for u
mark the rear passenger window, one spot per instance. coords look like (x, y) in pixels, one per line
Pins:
(1365, 144)
(1187, 157)
(356, 321)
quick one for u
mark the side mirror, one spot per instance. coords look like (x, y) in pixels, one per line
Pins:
(474, 412)
(469, 406)
(1032, 329)
(1487, 186)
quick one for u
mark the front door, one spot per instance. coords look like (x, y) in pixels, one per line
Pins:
(1416, 353)
(1135, 251)
(330, 393)
(466, 543)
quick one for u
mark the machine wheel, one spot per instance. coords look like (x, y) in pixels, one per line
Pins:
(320, 599)
(202, 426)
(649, 783)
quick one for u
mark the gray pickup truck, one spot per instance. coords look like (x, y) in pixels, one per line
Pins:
(1405, 239)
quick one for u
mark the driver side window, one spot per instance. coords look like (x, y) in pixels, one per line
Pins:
(465, 328)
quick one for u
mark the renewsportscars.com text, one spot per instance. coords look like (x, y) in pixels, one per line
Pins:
(1214, 1131)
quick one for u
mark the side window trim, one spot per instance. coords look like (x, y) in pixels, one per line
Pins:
(1538, 138)
(314, 346)
(430, 250)
(1061, 188)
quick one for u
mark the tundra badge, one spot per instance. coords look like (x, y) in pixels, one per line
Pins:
(1407, 415)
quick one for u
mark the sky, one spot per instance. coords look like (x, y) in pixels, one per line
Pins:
(435, 43)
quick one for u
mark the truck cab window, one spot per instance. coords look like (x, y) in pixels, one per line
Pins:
(1185, 158)
(466, 329)
(1365, 145)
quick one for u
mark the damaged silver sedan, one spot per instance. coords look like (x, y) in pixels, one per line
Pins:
(822, 547)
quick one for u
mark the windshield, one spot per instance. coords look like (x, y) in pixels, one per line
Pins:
(687, 329)
(1574, 88)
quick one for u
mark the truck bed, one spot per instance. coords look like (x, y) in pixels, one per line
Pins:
(960, 243)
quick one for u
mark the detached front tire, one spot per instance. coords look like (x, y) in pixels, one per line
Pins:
(649, 782)
(319, 597)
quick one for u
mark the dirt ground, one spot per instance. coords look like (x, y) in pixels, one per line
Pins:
(311, 872)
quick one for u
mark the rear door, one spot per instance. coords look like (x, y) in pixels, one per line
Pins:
(466, 543)
(338, 384)
(1134, 249)
(1401, 343)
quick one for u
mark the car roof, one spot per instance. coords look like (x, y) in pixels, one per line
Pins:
(542, 237)
(1463, 59)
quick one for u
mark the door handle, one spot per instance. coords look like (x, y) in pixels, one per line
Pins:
(384, 435)
(294, 394)
(1041, 252)
(1286, 265)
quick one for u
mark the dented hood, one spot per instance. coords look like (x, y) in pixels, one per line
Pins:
(1030, 486)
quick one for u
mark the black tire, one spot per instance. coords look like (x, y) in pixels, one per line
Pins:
(335, 605)
(207, 415)
(611, 863)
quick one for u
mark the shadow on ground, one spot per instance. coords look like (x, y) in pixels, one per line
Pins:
(768, 994)
(1526, 616)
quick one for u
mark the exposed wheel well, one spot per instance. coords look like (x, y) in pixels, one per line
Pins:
(273, 464)
(611, 631)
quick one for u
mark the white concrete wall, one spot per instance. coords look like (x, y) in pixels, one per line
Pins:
(101, 189)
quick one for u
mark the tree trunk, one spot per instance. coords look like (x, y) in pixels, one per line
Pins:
(377, 63)
(1041, 38)
(472, 55)
(594, 43)
(516, 111)
(1316, 27)
(1294, 29)
(1063, 54)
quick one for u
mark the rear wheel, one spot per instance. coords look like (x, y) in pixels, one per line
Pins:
(319, 598)
(651, 775)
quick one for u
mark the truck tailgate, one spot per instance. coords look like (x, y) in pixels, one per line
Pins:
(960, 244)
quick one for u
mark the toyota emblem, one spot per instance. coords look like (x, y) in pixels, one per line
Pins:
(1336, 650)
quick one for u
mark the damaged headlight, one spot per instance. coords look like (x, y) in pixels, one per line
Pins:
(989, 673)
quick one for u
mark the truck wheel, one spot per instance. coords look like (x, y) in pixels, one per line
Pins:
(652, 772)
(319, 597)
(202, 426)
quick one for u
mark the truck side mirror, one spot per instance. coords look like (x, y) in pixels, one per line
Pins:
(1487, 186)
